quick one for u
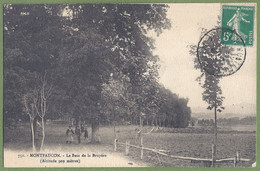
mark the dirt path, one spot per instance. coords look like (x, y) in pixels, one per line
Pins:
(70, 155)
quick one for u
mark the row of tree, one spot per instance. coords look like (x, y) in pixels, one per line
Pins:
(206, 122)
(159, 105)
(249, 120)
(90, 62)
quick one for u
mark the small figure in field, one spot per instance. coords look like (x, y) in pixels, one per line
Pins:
(69, 134)
(78, 133)
(85, 133)
(82, 128)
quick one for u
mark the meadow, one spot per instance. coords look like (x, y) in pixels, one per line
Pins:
(192, 143)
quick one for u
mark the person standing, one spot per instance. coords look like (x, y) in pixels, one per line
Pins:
(78, 133)
(82, 128)
(69, 134)
(85, 133)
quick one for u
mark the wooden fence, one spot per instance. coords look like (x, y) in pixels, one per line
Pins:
(206, 161)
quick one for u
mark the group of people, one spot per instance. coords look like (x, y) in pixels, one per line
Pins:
(78, 132)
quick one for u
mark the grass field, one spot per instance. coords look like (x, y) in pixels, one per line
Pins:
(241, 127)
(192, 145)
(182, 144)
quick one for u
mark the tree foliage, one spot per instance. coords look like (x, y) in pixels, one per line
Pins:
(98, 59)
(210, 64)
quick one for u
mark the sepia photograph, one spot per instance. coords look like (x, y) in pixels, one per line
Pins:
(130, 85)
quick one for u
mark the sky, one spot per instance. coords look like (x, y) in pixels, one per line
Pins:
(177, 71)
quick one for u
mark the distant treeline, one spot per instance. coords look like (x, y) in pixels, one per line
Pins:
(249, 120)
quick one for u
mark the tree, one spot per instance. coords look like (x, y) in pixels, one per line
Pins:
(212, 94)
(29, 52)
(173, 111)
(117, 103)
(183, 113)
(123, 28)
(40, 104)
(215, 60)
(79, 50)
(30, 100)
(85, 66)
(35, 103)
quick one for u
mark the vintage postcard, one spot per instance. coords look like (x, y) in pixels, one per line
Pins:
(129, 85)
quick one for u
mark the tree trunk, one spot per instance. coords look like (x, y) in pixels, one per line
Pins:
(115, 130)
(215, 139)
(141, 122)
(78, 122)
(32, 130)
(43, 134)
(95, 132)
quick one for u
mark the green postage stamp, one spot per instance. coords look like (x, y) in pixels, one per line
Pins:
(239, 20)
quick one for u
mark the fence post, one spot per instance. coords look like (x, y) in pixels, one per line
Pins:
(127, 147)
(142, 150)
(236, 159)
(238, 156)
(213, 155)
(115, 144)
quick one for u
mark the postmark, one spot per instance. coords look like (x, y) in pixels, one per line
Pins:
(220, 59)
(240, 19)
